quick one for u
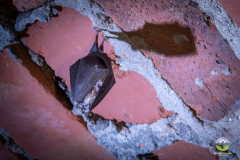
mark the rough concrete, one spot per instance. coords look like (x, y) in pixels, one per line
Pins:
(232, 8)
(23, 5)
(13, 145)
(199, 82)
(8, 33)
(183, 46)
(228, 29)
(42, 13)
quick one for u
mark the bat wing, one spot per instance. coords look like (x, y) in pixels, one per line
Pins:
(103, 92)
(109, 80)
(83, 76)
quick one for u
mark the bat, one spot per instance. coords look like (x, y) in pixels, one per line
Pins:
(91, 77)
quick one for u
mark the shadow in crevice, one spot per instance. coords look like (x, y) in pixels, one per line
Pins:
(167, 39)
(3, 142)
(9, 5)
(148, 156)
(44, 75)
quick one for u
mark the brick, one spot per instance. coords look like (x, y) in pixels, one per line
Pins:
(70, 36)
(23, 5)
(6, 154)
(40, 123)
(182, 150)
(186, 48)
(133, 100)
(232, 8)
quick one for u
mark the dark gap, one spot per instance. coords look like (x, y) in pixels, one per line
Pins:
(8, 4)
(147, 156)
(2, 140)
(59, 8)
(119, 125)
(10, 140)
(44, 74)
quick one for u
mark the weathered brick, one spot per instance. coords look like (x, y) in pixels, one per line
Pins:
(182, 150)
(6, 154)
(186, 48)
(232, 7)
(23, 5)
(68, 37)
(38, 121)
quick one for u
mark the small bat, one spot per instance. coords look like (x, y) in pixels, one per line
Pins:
(91, 77)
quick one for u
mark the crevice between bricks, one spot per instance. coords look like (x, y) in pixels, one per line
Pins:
(183, 125)
(14, 146)
(3, 142)
(194, 113)
(38, 68)
(53, 84)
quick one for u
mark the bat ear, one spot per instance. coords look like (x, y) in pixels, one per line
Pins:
(95, 44)
(104, 40)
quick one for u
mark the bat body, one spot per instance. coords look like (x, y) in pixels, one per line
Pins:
(91, 77)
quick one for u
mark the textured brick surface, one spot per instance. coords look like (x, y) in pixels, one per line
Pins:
(187, 50)
(38, 121)
(182, 150)
(132, 99)
(70, 36)
(22, 5)
(62, 40)
(132, 102)
(232, 7)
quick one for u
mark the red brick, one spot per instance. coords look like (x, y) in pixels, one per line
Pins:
(133, 100)
(62, 41)
(182, 150)
(23, 5)
(68, 37)
(38, 121)
(201, 50)
(232, 8)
